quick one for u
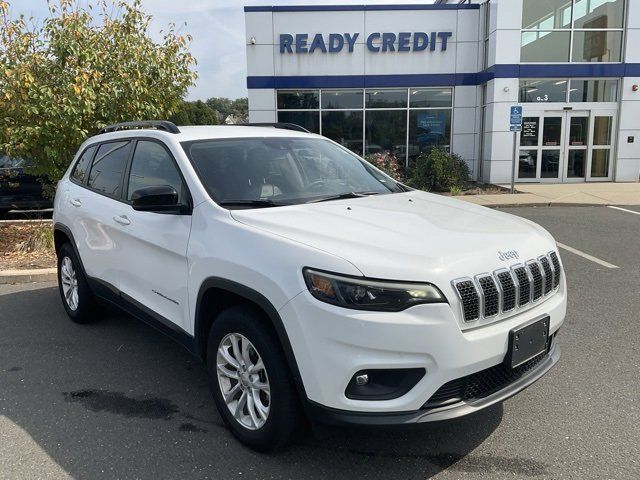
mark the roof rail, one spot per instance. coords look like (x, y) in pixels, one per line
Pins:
(282, 125)
(163, 125)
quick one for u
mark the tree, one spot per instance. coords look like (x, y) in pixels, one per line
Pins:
(82, 69)
(239, 107)
(194, 113)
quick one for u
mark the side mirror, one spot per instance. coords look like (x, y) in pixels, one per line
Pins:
(160, 198)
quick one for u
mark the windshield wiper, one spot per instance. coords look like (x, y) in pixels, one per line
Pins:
(262, 203)
(344, 196)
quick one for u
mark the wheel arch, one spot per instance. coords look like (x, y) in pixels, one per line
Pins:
(216, 294)
(61, 235)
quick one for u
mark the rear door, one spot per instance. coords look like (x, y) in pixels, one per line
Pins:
(96, 201)
(155, 263)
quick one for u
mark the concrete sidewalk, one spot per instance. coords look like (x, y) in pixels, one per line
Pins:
(562, 194)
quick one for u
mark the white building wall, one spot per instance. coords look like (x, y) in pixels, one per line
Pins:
(627, 168)
(502, 93)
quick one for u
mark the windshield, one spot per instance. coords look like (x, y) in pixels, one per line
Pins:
(259, 172)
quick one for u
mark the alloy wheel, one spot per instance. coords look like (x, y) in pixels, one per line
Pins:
(243, 381)
(69, 283)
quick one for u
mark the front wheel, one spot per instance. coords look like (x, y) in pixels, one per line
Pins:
(250, 380)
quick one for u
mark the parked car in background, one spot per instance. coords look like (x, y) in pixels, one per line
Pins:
(18, 189)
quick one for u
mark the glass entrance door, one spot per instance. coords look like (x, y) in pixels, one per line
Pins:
(566, 146)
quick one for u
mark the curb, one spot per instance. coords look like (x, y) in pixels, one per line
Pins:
(28, 276)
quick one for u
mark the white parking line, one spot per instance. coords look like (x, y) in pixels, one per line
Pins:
(624, 210)
(586, 255)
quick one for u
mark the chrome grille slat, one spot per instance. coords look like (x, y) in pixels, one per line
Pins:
(508, 287)
(548, 274)
(469, 297)
(538, 279)
(524, 284)
(555, 261)
(488, 295)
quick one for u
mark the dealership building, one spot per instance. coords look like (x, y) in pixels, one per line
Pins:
(407, 78)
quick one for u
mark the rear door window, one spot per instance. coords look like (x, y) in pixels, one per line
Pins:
(108, 168)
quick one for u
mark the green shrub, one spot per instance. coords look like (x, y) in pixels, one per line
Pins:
(388, 163)
(439, 171)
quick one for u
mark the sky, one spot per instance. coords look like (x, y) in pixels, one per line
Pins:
(217, 27)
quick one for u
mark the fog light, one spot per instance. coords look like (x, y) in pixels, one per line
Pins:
(383, 384)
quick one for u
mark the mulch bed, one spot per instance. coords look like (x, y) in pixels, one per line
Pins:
(11, 235)
(482, 189)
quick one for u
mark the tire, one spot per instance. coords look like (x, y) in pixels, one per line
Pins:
(81, 306)
(245, 323)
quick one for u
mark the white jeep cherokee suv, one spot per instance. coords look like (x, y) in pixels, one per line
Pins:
(306, 279)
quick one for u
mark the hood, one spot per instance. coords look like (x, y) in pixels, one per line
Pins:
(412, 236)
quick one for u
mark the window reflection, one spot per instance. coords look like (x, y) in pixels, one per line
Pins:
(527, 164)
(602, 130)
(386, 131)
(598, 13)
(542, 14)
(344, 127)
(386, 98)
(593, 91)
(534, 91)
(428, 129)
(597, 46)
(545, 46)
(309, 120)
(551, 131)
(600, 163)
(298, 99)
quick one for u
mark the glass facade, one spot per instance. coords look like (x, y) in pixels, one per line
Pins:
(572, 31)
(545, 90)
(402, 121)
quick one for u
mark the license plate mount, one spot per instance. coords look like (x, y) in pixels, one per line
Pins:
(527, 342)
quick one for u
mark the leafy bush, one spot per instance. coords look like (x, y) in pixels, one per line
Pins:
(388, 163)
(439, 171)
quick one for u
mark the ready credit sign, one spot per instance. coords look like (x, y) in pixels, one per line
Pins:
(515, 119)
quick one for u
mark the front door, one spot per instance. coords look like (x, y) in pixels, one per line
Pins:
(155, 275)
(566, 146)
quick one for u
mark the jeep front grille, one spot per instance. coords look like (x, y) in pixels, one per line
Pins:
(490, 294)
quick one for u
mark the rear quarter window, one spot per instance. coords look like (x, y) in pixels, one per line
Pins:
(79, 173)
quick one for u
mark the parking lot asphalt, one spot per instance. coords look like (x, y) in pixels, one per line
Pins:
(118, 400)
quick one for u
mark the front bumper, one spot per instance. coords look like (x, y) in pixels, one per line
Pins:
(331, 344)
(460, 409)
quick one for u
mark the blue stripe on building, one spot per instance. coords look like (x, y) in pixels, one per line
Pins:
(448, 79)
(357, 8)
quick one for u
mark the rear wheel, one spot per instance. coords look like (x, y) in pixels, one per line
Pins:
(250, 380)
(77, 298)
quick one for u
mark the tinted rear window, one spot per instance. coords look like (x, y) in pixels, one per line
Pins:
(108, 168)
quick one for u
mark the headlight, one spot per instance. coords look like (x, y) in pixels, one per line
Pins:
(366, 294)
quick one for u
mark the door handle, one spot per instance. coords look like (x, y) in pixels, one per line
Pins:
(75, 202)
(122, 220)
